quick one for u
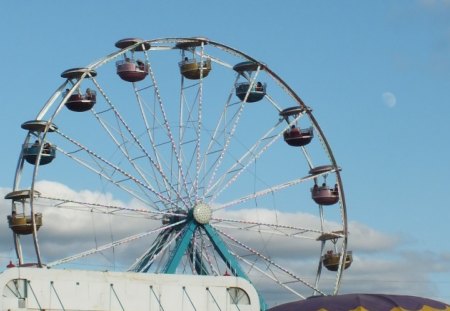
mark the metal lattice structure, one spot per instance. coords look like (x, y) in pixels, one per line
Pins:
(182, 155)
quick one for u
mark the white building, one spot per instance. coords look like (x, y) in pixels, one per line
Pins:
(30, 288)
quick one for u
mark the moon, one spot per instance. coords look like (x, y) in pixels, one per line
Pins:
(389, 99)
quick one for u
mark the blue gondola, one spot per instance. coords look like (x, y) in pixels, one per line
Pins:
(256, 93)
(31, 152)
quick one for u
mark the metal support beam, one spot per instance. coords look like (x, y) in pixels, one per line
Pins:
(157, 246)
(222, 250)
(229, 259)
(180, 248)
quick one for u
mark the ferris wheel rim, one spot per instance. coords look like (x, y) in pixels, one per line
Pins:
(88, 72)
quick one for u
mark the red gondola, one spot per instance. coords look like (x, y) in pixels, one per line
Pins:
(81, 102)
(132, 70)
(298, 137)
(325, 195)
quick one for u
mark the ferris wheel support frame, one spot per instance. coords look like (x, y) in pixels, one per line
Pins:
(184, 239)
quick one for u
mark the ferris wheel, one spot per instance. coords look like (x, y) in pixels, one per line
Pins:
(181, 155)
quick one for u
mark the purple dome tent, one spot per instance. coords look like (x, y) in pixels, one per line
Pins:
(360, 302)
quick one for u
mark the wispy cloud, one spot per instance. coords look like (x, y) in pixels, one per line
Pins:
(379, 264)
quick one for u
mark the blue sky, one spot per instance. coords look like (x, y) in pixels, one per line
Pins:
(377, 74)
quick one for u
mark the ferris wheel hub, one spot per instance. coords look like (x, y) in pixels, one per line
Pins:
(202, 213)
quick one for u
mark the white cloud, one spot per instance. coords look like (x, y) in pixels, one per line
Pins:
(389, 99)
(408, 273)
(68, 229)
(368, 240)
(378, 266)
(263, 238)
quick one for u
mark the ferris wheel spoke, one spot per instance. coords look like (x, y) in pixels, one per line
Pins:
(273, 102)
(270, 190)
(122, 147)
(268, 228)
(236, 119)
(191, 118)
(206, 255)
(270, 262)
(141, 262)
(101, 172)
(169, 132)
(111, 245)
(116, 168)
(253, 153)
(214, 59)
(158, 247)
(199, 128)
(268, 275)
(159, 124)
(208, 252)
(188, 119)
(135, 139)
(307, 157)
(148, 131)
(91, 207)
(217, 133)
(195, 256)
(241, 164)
